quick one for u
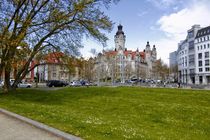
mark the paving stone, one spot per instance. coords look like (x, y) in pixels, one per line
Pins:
(13, 129)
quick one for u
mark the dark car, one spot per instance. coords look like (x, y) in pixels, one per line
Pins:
(56, 83)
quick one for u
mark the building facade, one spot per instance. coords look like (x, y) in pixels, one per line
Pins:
(122, 64)
(202, 50)
(173, 67)
(193, 56)
(52, 67)
(172, 59)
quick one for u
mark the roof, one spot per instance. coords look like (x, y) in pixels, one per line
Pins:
(126, 53)
(119, 31)
(54, 57)
(203, 32)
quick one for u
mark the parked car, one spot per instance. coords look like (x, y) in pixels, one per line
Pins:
(134, 81)
(75, 84)
(92, 84)
(56, 83)
(20, 85)
(1, 83)
(24, 85)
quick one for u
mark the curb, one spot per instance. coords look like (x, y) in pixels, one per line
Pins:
(41, 126)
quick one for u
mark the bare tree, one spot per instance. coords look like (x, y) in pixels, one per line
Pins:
(160, 70)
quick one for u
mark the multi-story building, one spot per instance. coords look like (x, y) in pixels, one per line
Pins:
(202, 49)
(173, 66)
(122, 64)
(172, 59)
(193, 56)
(52, 67)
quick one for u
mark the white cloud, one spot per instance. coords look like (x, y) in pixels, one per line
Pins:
(164, 47)
(175, 25)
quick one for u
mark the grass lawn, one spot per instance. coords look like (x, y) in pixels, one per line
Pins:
(117, 113)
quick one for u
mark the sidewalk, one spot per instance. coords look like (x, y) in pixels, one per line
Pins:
(13, 129)
(16, 127)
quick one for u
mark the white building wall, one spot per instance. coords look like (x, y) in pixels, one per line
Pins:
(202, 46)
(199, 71)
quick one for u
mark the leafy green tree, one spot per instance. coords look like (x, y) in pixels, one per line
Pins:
(46, 24)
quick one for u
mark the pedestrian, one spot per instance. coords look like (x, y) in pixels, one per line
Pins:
(179, 84)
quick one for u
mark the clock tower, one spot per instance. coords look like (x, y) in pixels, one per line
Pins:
(120, 39)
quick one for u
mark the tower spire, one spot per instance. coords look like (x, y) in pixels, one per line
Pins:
(120, 38)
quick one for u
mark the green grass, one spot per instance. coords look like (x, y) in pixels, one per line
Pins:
(117, 113)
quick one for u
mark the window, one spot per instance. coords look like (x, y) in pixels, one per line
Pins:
(201, 47)
(191, 60)
(206, 54)
(198, 47)
(208, 45)
(200, 56)
(191, 34)
(192, 71)
(207, 69)
(206, 62)
(185, 61)
(191, 45)
(204, 46)
(208, 79)
(199, 63)
(200, 69)
(54, 68)
(201, 79)
(54, 74)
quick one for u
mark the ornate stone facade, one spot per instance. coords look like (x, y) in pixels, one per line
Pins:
(122, 64)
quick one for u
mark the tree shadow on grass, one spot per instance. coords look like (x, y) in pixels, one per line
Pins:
(33, 96)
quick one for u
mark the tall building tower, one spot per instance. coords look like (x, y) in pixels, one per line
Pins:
(148, 52)
(120, 39)
(154, 53)
(120, 48)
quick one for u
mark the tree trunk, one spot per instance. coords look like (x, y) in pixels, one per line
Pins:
(1, 70)
(7, 86)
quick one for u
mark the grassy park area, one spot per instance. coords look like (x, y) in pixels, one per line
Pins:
(117, 113)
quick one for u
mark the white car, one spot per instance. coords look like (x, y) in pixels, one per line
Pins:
(20, 85)
(24, 85)
(1, 83)
(75, 84)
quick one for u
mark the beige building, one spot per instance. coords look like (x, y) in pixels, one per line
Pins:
(53, 68)
(122, 64)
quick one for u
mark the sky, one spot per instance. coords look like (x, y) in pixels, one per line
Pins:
(163, 23)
